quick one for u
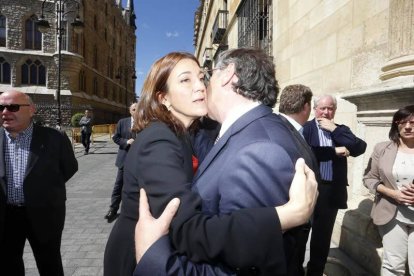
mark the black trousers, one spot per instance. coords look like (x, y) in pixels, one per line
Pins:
(86, 140)
(46, 252)
(322, 226)
(117, 191)
(119, 257)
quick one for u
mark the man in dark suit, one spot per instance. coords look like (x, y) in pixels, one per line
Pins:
(251, 165)
(123, 137)
(294, 109)
(332, 144)
(86, 130)
(35, 164)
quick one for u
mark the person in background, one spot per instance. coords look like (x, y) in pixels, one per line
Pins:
(294, 109)
(172, 100)
(36, 162)
(123, 137)
(390, 175)
(332, 144)
(86, 130)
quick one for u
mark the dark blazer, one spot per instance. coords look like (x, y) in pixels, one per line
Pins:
(121, 136)
(303, 147)
(342, 136)
(252, 165)
(51, 163)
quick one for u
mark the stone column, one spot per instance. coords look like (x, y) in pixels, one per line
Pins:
(401, 40)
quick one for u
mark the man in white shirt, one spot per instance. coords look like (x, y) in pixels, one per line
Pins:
(295, 108)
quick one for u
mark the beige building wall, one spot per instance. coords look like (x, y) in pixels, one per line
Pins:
(361, 51)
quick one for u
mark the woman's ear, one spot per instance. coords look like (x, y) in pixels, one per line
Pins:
(163, 100)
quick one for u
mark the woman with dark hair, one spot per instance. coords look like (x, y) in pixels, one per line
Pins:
(390, 176)
(160, 161)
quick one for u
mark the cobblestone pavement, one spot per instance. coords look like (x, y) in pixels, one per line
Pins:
(88, 197)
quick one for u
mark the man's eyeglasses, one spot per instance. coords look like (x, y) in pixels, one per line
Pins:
(12, 107)
(208, 73)
(404, 122)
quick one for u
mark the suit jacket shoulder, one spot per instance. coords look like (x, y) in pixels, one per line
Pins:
(160, 162)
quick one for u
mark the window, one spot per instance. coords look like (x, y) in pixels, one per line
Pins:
(2, 31)
(77, 43)
(105, 92)
(4, 71)
(64, 35)
(95, 22)
(33, 73)
(95, 57)
(95, 86)
(33, 39)
(82, 81)
(255, 26)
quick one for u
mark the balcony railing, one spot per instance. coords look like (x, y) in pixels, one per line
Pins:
(207, 57)
(219, 27)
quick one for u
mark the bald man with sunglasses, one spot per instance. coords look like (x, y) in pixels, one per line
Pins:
(35, 163)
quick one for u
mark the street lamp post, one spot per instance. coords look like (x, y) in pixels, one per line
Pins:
(125, 71)
(43, 26)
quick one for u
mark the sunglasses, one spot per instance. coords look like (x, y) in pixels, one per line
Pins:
(12, 107)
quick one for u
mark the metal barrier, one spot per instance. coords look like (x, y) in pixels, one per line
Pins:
(97, 131)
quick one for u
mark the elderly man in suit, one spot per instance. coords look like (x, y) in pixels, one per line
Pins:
(332, 144)
(35, 164)
(251, 165)
(123, 137)
(294, 109)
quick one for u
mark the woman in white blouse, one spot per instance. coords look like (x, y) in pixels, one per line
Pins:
(390, 176)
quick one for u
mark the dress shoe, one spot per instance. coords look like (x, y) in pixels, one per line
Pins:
(111, 215)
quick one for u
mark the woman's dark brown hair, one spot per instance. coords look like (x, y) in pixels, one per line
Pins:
(401, 114)
(155, 86)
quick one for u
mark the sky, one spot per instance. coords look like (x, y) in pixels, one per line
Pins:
(163, 26)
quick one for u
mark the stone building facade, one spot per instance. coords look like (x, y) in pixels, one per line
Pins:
(360, 51)
(97, 65)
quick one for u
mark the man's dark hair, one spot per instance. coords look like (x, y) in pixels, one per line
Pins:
(293, 98)
(256, 73)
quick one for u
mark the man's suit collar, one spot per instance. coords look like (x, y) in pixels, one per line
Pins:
(237, 126)
(2, 162)
(36, 147)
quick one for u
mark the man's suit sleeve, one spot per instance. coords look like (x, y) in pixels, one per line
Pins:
(68, 162)
(160, 259)
(118, 138)
(343, 136)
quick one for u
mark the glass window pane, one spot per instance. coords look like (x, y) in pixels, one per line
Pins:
(42, 75)
(6, 73)
(25, 74)
(38, 40)
(2, 31)
(33, 74)
(29, 34)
